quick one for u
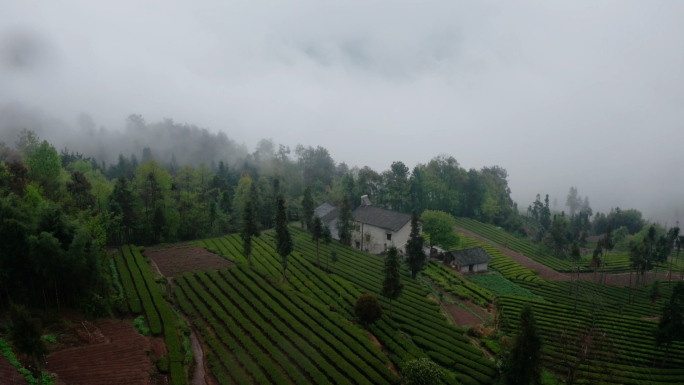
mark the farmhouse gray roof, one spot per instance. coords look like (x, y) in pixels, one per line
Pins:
(370, 215)
(379, 217)
(326, 212)
(472, 256)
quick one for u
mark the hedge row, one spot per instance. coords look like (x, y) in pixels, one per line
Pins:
(129, 288)
(168, 323)
(143, 292)
(222, 363)
(293, 311)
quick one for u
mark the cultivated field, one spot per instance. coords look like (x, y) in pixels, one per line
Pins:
(145, 296)
(180, 258)
(117, 356)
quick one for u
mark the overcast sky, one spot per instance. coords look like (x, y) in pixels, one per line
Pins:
(560, 93)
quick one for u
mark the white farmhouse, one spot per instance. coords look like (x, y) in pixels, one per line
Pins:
(375, 228)
(475, 260)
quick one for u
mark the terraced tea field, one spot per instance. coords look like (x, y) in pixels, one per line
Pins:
(144, 296)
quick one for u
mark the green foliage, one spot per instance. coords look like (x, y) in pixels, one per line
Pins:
(94, 306)
(307, 208)
(671, 325)
(26, 332)
(391, 285)
(141, 325)
(44, 378)
(49, 338)
(522, 365)
(249, 229)
(367, 309)
(422, 372)
(163, 364)
(438, 226)
(414, 248)
(283, 239)
(499, 285)
(344, 222)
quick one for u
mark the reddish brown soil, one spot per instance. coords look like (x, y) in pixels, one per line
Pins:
(9, 374)
(111, 352)
(461, 316)
(182, 257)
(544, 272)
(622, 279)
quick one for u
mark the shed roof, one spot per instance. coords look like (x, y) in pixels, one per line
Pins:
(471, 256)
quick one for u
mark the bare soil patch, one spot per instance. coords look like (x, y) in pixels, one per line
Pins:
(544, 271)
(461, 316)
(622, 279)
(183, 257)
(9, 374)
(109, 352)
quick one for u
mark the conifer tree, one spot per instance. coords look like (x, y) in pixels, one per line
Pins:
(671, 325)
(316, 235)
(249, 229)
(392, 286)
(307, 209)
(414, 248)
(327, 238)
(284, 244)
(344, 222)
(523, 364)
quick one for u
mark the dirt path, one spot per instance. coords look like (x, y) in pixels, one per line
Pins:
(544, 272)
(198, 377)
(622, 279)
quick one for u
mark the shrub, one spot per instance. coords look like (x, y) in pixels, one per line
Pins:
(139, 324)
(422, 372)
(368, 309)
(163, 364)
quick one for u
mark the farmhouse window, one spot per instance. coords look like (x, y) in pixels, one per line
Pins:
(389, 236)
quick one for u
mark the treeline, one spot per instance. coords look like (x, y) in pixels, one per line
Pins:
(61, 209)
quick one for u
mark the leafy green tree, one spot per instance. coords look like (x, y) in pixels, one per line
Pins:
(122, 204)
(45, 167)
(80, 190)
(523, 364)
(26, 335)
(391, 285)
(414, 248)
(284, 244)
(671, 325)
(422, 371)
(249, 229)
(438, 226)
(316, 235)
(307, 209)
(345, 223)
(367, 309)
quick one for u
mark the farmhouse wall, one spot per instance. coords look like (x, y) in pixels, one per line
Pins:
(378, 238)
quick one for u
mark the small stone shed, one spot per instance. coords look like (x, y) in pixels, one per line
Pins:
(475, 260)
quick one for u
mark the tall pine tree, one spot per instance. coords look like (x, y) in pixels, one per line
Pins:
(249, 228)
(316, 234)
(307, 209)
(414, 248)
(392, 286)
(344, 222)
(523, 364)
(284, 244)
